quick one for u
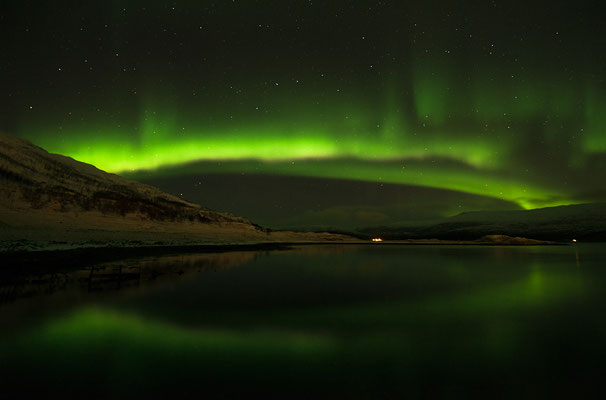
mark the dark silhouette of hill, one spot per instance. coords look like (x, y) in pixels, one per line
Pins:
(50, 197)
(583, 222)
(34, 179)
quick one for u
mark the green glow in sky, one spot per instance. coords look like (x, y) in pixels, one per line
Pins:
(387, 152)
(474, 152)
(415, 172)
(516, 114)
(160, 148)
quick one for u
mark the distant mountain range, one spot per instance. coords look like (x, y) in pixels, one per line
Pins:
(53, 197)
(583, 222)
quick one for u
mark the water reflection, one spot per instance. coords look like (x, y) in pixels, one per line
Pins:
(345, 321)
(117, 275)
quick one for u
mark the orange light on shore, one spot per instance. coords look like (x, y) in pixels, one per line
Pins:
(377, 239)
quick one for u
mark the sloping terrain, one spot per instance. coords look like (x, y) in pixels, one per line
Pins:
(32, 178)
(46, 196)
(585, 222)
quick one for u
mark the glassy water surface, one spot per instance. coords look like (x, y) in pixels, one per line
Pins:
(351, 321)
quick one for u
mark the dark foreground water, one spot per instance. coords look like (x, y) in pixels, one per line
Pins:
(323, 321)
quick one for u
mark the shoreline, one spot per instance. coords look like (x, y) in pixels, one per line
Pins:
(78, 257)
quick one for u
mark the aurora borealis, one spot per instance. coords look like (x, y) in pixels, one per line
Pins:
(485, 98)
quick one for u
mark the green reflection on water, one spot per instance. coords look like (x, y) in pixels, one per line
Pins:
(125, 353)
(486, 329)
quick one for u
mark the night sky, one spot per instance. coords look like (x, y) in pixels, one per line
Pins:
(484, 104)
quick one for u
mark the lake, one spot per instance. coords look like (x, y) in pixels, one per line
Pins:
(346, 321)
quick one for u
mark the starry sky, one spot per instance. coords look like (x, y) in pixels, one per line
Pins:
(472, 104)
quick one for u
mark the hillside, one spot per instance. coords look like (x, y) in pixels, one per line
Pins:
(586, 222)
(35, 179)
(51, 197)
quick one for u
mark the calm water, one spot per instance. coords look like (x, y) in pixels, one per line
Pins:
(335, 321)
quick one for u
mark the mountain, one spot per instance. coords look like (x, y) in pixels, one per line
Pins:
(308, 203)
(583, 222)
(35, 179)
(51, 197)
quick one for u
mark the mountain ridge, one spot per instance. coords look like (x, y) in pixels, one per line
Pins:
(33, 177)
(562, 223)
(50, 197)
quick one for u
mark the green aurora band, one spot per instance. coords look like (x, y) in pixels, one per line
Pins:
(497, 106)
(471, 148)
